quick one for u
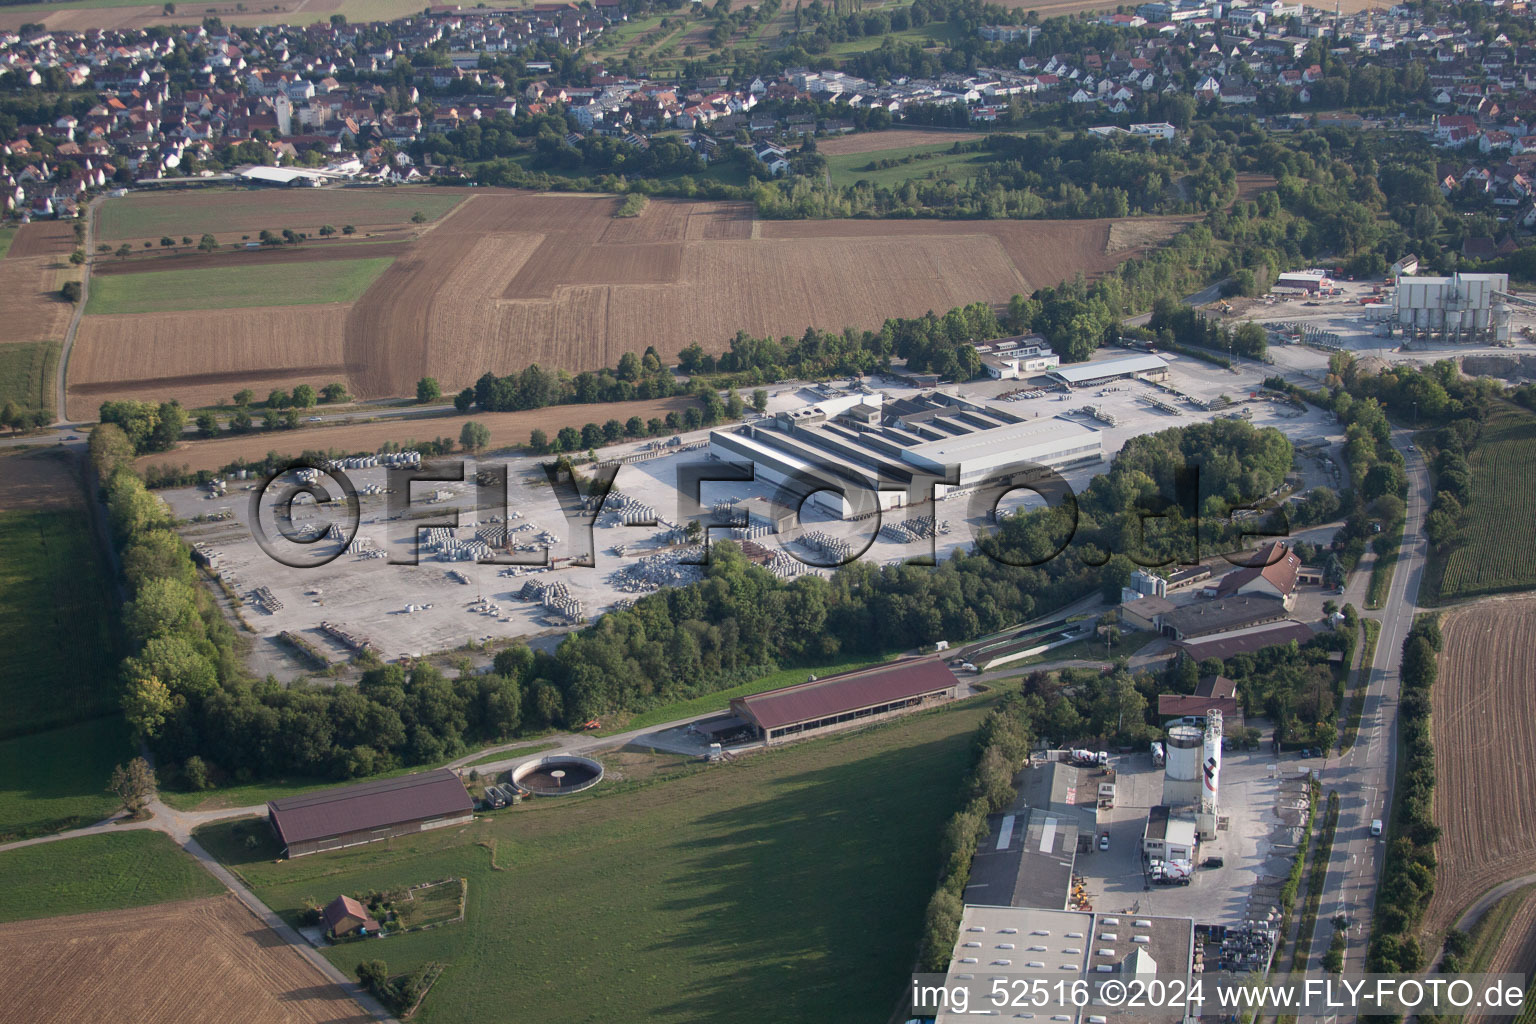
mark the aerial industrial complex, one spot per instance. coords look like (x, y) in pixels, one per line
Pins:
(724, 513)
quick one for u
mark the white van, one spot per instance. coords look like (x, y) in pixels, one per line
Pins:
(1375, 826)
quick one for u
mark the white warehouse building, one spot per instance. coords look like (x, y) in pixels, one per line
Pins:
(1056, 443)
(866, 449)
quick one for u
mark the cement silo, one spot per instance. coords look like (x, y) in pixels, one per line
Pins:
(1463, 307)
(1210, 775)
(1182, 778)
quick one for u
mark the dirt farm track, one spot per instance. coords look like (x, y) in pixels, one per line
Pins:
(508, 279)
(1484, 729)
(174, 963)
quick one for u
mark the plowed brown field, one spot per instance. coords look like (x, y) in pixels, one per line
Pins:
(43, 238)
(203, 357)
(175, 963)
(1485, 729)
(183, 258)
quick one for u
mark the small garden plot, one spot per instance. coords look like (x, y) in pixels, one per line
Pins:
(408, 910)
(427, 906)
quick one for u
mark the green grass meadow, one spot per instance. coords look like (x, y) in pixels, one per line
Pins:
(7, 236)
(56, 780)
(1495, 552)
(941, 33)
(267, 284)
(101, 872)
(789, 885)
(26, 373)
(930, 159)
(178, 214)
(56, 622)
(60, 732)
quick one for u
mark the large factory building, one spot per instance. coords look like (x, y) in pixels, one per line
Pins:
(862, 444)
(1464, 307)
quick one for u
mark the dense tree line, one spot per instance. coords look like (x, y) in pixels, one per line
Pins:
(1408, 877)
(1436, 394)
(1175, 323)
(147, 427)
(1296, 686)
(636, 377)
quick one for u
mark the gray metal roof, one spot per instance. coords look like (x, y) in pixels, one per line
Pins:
(1108, 368)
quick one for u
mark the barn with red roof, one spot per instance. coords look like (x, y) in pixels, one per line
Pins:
(847, 699)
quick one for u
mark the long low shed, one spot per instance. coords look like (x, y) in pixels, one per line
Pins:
(369, 812)
(850, 698)
(1111, 369)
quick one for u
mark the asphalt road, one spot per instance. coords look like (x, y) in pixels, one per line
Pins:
(1363, 776)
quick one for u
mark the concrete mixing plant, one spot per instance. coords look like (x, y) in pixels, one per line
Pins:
(1192, 775)
(1462, 307)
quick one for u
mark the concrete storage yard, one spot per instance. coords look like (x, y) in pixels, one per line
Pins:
(439, 605)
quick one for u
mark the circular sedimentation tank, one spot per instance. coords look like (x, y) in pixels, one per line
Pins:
(557, 775)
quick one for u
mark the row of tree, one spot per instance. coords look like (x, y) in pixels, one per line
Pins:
(1408, 876)
(16, 417)
(595, 435)
(636, 377)
(1002, 744)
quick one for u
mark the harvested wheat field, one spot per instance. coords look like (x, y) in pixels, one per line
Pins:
(174, 963)
(1484, 720)
(508, 429)
(202, 357)
(509, 279)
(43, 238)
(32, 480)
(30, 306)
(58, 18)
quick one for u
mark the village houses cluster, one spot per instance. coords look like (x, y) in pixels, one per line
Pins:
(327, 97)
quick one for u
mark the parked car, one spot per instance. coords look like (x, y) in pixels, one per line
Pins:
(1214, 862)
(1306, 751)
(1103, 841)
